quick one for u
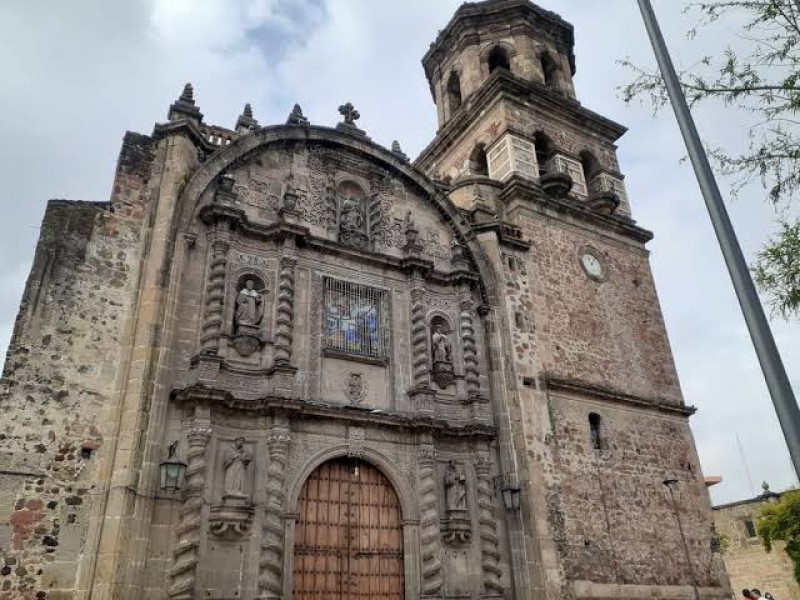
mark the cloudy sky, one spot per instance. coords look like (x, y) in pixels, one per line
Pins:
(75, 75)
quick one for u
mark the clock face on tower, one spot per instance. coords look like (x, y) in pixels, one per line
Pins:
(592, 265)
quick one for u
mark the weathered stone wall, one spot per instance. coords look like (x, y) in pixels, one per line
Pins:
(59, 376)
(748, 564)
(610, 333)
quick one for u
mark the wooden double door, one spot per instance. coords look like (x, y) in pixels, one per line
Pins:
(348, 535)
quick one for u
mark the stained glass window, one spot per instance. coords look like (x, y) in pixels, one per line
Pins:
(355, 318)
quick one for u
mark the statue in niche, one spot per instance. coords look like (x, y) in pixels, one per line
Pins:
(236, 461)
(248, 306)
(442, 353)
(455, 485)
(352, 221)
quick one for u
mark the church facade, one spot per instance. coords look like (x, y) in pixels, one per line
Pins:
(447, 378)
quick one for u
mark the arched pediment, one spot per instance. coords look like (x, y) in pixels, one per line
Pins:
(328, 166)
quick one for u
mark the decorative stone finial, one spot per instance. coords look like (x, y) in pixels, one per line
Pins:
(296, 117)
(765, 487)
(398, 151)
(188, 94)
(184, 106)
(246, 122)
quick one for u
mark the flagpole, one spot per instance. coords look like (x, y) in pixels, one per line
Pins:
(771, 365)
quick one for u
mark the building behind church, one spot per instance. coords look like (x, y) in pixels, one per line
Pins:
(441, 378)
(747, 563)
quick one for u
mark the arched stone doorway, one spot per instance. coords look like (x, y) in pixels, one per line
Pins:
(348, 535)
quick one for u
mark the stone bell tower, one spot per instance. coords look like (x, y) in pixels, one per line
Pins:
(593, 416)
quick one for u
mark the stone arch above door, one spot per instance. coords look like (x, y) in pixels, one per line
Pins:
(408, 503)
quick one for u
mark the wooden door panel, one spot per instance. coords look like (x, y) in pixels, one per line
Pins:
(348, 536)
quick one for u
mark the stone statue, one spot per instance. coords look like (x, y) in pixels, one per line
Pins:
(455, 485)
(442, 350)
(352, 222)
(248, 305)
(236, 461)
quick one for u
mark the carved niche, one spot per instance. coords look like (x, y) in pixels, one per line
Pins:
(248, 314)
(352, 215)
(234, 517)
(441, 353)
(457, 527)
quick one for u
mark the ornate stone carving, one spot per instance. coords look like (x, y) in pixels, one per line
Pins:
(296, 117)
(442, 353)
(247, 317)
(352, 221)
(215, 293)
(419, 336)
(471, 371)
(355, 388)
(231, 522)
(457, 527)
(183, 574)
(248, 306)
(288, 210)
(429, 523)
(270, 579)
(490, 554)
(284, 320)
(375, 225)
(315, 325)
(237, 459)
(356, 438)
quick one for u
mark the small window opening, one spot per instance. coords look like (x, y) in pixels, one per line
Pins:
(544, 151)
(512, 264)
(595, 428)
(498, 59)
(590, 165)
(454, 92)
(478, 163)
(750, 528)
(86, 453)
(519, 321)
(549, 69)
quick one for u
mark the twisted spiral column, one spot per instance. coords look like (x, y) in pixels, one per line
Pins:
(215, 296)
(430, 545)
(490, 554)
(420, 361)
(472, 374)
(374, 209)
(183, 574)
(284, 321)
(270, 578)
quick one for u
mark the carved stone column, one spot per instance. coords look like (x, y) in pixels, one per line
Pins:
(215, 291)
(472, 375)
(284, 321)
(374, 209)
(270, 578)
(430, 545)
(421, 391)
(183, 574)
(490, 554)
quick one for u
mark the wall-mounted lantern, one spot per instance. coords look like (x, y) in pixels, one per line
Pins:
(172, 471)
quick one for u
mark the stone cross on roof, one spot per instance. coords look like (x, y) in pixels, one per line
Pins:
(350, 114)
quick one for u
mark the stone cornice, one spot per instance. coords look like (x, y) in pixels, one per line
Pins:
(502, 85)
(294, 408)
(582, 388)
(183, 127)
(519, 188)
(471, 17)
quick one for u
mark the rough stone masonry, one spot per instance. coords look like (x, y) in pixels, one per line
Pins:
(447, 378)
